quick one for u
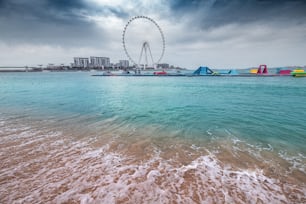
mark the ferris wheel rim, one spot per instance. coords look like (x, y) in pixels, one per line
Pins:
(159, 29)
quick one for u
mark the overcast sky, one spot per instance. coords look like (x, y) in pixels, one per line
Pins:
(214, 33)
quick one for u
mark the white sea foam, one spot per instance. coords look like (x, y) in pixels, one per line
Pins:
(297, 161)
(195, 147)
(46, 166)
(209, 132)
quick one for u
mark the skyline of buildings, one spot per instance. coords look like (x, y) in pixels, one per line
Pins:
(97, 62)
(104, 62)
(91, 62)
(124, 63)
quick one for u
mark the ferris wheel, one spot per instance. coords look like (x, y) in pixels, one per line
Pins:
(147, 28)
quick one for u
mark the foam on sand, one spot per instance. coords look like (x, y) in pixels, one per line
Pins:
(46, 166)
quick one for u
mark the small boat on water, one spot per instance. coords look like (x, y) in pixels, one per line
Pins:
(299, 73)
(160, 73)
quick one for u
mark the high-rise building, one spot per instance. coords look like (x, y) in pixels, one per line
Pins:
(163, 66)
(99, 61)
(124, 63)
(82, 62)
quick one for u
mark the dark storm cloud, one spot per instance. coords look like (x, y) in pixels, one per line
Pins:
(52, 21)
(66, 4)
(44, 21)
(214, 13)
(45, 10)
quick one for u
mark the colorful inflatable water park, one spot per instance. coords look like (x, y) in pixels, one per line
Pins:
(261, 71)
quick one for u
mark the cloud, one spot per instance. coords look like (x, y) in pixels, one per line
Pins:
(238, 46)
(67, 23)
(217, 33)
(46, 10)
(214, 13)
(43, 22)
(236, 33)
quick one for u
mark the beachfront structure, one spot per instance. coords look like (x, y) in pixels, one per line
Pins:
(145, 53)
(124, 63)
(163, 66)
(227, 72)
(203, 71)
(283, 71)
(253, 71)
(262, 69)
(81, 62)
(99, 61)
(298, 72)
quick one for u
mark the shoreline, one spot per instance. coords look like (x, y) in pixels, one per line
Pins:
(54, 165)
(145, 74)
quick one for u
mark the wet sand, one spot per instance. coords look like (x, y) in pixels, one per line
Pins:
(41, 163)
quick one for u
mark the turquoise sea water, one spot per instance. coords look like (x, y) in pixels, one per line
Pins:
(243, 124)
